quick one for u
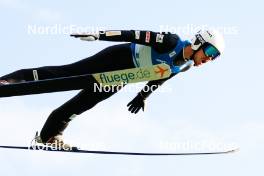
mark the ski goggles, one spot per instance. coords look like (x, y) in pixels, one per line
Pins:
(211, 51)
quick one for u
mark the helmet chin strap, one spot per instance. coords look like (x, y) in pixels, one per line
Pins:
(194, 52)
(191, 57)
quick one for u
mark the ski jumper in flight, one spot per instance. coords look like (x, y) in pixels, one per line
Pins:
(143, 48)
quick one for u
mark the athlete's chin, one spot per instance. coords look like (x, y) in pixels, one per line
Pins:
(197, 64)
(196, 61)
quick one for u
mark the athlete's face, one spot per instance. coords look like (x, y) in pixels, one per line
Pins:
(200, 58)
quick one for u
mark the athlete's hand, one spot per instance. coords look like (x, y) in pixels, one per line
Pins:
(87, 36)
(136, 104)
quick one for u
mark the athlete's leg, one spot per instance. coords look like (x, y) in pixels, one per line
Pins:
(60, 117)
(40, 73)
(112, 58)
(115, 57)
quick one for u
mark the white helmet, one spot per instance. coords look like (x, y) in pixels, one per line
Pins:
(211, 37)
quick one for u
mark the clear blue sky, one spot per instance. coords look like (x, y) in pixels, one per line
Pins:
(221, 102)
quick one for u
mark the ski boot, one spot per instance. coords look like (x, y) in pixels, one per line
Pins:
(54, 143)
(4, 82)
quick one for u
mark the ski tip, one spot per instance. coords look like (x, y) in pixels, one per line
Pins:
(231, 151)
(234, 150)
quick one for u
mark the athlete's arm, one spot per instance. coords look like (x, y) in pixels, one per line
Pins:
(162, 42)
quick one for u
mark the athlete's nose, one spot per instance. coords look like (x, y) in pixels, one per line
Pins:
(206, 60)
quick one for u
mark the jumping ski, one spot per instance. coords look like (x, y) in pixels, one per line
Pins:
(76, 150)
(149, 56)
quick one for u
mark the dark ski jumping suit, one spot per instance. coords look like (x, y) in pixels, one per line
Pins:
(144, 48)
